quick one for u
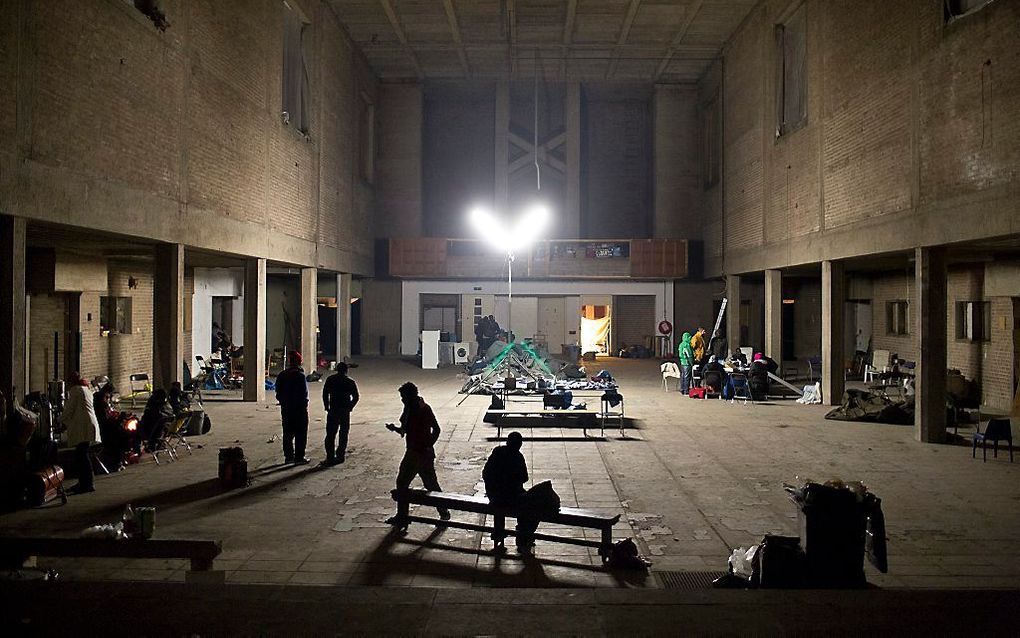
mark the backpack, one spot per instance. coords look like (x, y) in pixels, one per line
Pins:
(625, 555)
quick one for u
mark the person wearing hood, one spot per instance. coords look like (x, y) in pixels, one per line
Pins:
(686, 354)
(79, 417)
(292, 393)
(698, 346)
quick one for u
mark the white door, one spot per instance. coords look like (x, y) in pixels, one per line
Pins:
(552, 322)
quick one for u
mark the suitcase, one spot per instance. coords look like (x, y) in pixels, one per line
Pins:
(45, 485)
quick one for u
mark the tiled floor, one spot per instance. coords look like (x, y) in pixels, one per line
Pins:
(691, 479)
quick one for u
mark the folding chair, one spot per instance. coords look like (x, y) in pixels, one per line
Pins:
(879, 364)
(140, 387)
(173, 435)
(741, 389)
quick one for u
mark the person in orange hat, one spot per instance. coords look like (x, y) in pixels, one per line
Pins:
(292, 393)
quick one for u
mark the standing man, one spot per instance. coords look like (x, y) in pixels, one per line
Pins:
(686, 354)
(420, 430)
(292, 393)
(339, 396)
(79, 417)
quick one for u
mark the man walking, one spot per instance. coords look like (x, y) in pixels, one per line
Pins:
(339, 396)
(292, 393)
(420, 430)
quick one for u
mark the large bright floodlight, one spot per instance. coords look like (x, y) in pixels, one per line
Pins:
(510, 237)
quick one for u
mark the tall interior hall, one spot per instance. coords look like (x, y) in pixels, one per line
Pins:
(833, 184)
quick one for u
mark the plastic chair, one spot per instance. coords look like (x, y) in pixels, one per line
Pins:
(996, 430)
(879, 364)
(669, 370)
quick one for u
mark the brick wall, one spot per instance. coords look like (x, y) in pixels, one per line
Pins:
(990, 363)
(47, 317)
(130, 353)
(912, 134)
(180, 133)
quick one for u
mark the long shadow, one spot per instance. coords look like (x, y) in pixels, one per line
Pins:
(533, 575)
(385, 566)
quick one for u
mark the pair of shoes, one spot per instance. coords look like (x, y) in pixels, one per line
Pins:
(444, 514)
(304, 460)
(340, 460)
(288, 460)
(80, 489)
(328, 463)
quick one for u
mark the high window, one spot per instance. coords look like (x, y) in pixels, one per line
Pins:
(296, 98)
(897, 319)
(791, 73)
(115, 315)
(973, 320)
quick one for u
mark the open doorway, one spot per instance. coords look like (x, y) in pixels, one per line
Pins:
(596, 328)
(223, 318)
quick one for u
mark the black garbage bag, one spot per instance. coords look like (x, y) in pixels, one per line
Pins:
(860, 405)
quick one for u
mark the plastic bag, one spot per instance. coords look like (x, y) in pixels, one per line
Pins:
(108, 531)
(742, 561)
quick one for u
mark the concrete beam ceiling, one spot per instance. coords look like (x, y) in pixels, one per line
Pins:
(670, 41)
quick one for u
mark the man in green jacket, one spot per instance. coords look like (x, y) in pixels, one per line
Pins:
(686, 354)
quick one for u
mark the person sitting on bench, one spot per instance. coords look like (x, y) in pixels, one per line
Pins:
(505, 474)
(420, 430)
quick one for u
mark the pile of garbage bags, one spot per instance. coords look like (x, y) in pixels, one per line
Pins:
(839, 522)
(860, 405)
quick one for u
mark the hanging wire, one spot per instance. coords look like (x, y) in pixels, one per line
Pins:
(538, 169)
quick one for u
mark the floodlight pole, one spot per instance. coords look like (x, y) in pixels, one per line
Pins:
(509, 296)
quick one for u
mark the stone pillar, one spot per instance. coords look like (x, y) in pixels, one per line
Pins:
(168, 315)
(343, 316)
(13, 307)
(733, 312)
(255, 329)
(572, 215)
(930, 294)
(774, 314)
(833, 303)
(502, 157)
(309, 317)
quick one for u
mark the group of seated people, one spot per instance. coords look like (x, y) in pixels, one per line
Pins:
(161, 409)
(724, 377)
(719, 374)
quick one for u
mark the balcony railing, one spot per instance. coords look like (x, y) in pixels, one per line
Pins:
(437, 258)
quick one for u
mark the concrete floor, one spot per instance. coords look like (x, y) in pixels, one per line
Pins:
(693, 479)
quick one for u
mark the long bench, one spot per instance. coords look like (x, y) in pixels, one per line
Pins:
(15, 552)
(570, 516)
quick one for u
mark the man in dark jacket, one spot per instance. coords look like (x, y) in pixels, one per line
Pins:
(292, 393)
(339, 396)
(505, 474)
(420, 430)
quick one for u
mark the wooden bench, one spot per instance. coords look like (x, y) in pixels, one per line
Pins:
(479, 504)
(15, 552)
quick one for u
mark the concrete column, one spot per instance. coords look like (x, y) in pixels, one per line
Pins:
(343, 316)
(309, 317)
(255, 329)
(774, 314)
(733, 312)
(13, 307)
(502, 145)
(833, 302)
(930, 309)
(572, 215)
(168, 315)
